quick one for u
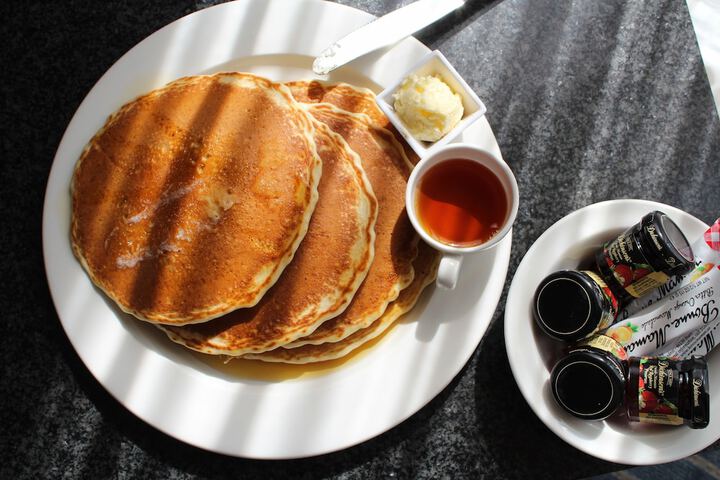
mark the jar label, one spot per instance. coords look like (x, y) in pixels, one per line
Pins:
(608, 317)
(628, 264)
(658, 391)
(606, 344)
(647, 283)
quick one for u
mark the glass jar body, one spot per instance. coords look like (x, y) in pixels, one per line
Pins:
(668, 391)
(570, 305)
(644, 257)
(589, 382)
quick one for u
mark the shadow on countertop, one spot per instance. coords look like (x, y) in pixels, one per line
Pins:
(566, 118)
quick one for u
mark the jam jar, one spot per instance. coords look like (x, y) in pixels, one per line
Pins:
(644, 257)
(570, 305)
(668, 391)
(589, 382)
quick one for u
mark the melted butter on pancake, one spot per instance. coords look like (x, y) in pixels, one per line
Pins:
(219, 200)
(166, 198)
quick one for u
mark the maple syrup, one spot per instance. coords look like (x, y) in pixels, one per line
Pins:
(461, 202)
(258, 370)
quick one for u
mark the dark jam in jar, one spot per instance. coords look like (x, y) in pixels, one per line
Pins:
(644, 257)
(589, 382)
(668, 391)
(570, 305)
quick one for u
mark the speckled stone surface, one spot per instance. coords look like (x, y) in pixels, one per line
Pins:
(589, 101)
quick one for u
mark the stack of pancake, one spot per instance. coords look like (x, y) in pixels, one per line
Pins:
(252, 219)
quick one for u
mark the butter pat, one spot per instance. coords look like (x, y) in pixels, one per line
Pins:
(442, 94)
(427, 106)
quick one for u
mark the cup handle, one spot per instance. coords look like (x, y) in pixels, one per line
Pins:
(449, 271)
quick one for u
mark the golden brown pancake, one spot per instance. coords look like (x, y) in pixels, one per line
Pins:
(328, 268)
(425, 266)
(352, 99)
(192, 199)
(387, 168)
(342, 95)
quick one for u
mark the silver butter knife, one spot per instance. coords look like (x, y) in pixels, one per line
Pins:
(386, 30)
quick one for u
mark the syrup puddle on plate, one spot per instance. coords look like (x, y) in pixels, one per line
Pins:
(258, 370)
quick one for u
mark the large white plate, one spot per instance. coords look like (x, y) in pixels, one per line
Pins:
(226, 410)
(565, 245)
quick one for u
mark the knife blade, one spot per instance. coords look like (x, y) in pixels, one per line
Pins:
(383, 31)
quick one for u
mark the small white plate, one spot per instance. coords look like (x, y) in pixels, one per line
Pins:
(566, 245)
(242, 411)
(434, 63)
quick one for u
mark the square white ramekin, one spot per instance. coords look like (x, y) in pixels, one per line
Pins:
(436, 64)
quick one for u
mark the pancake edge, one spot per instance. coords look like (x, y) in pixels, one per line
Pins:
(394, 311)
(404, 282)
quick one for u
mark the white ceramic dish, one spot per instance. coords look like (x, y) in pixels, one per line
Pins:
(434, 63)
(453, 255)
(228, 410)
(566, 245)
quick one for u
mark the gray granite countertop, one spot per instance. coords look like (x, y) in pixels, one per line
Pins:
(589, 100)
